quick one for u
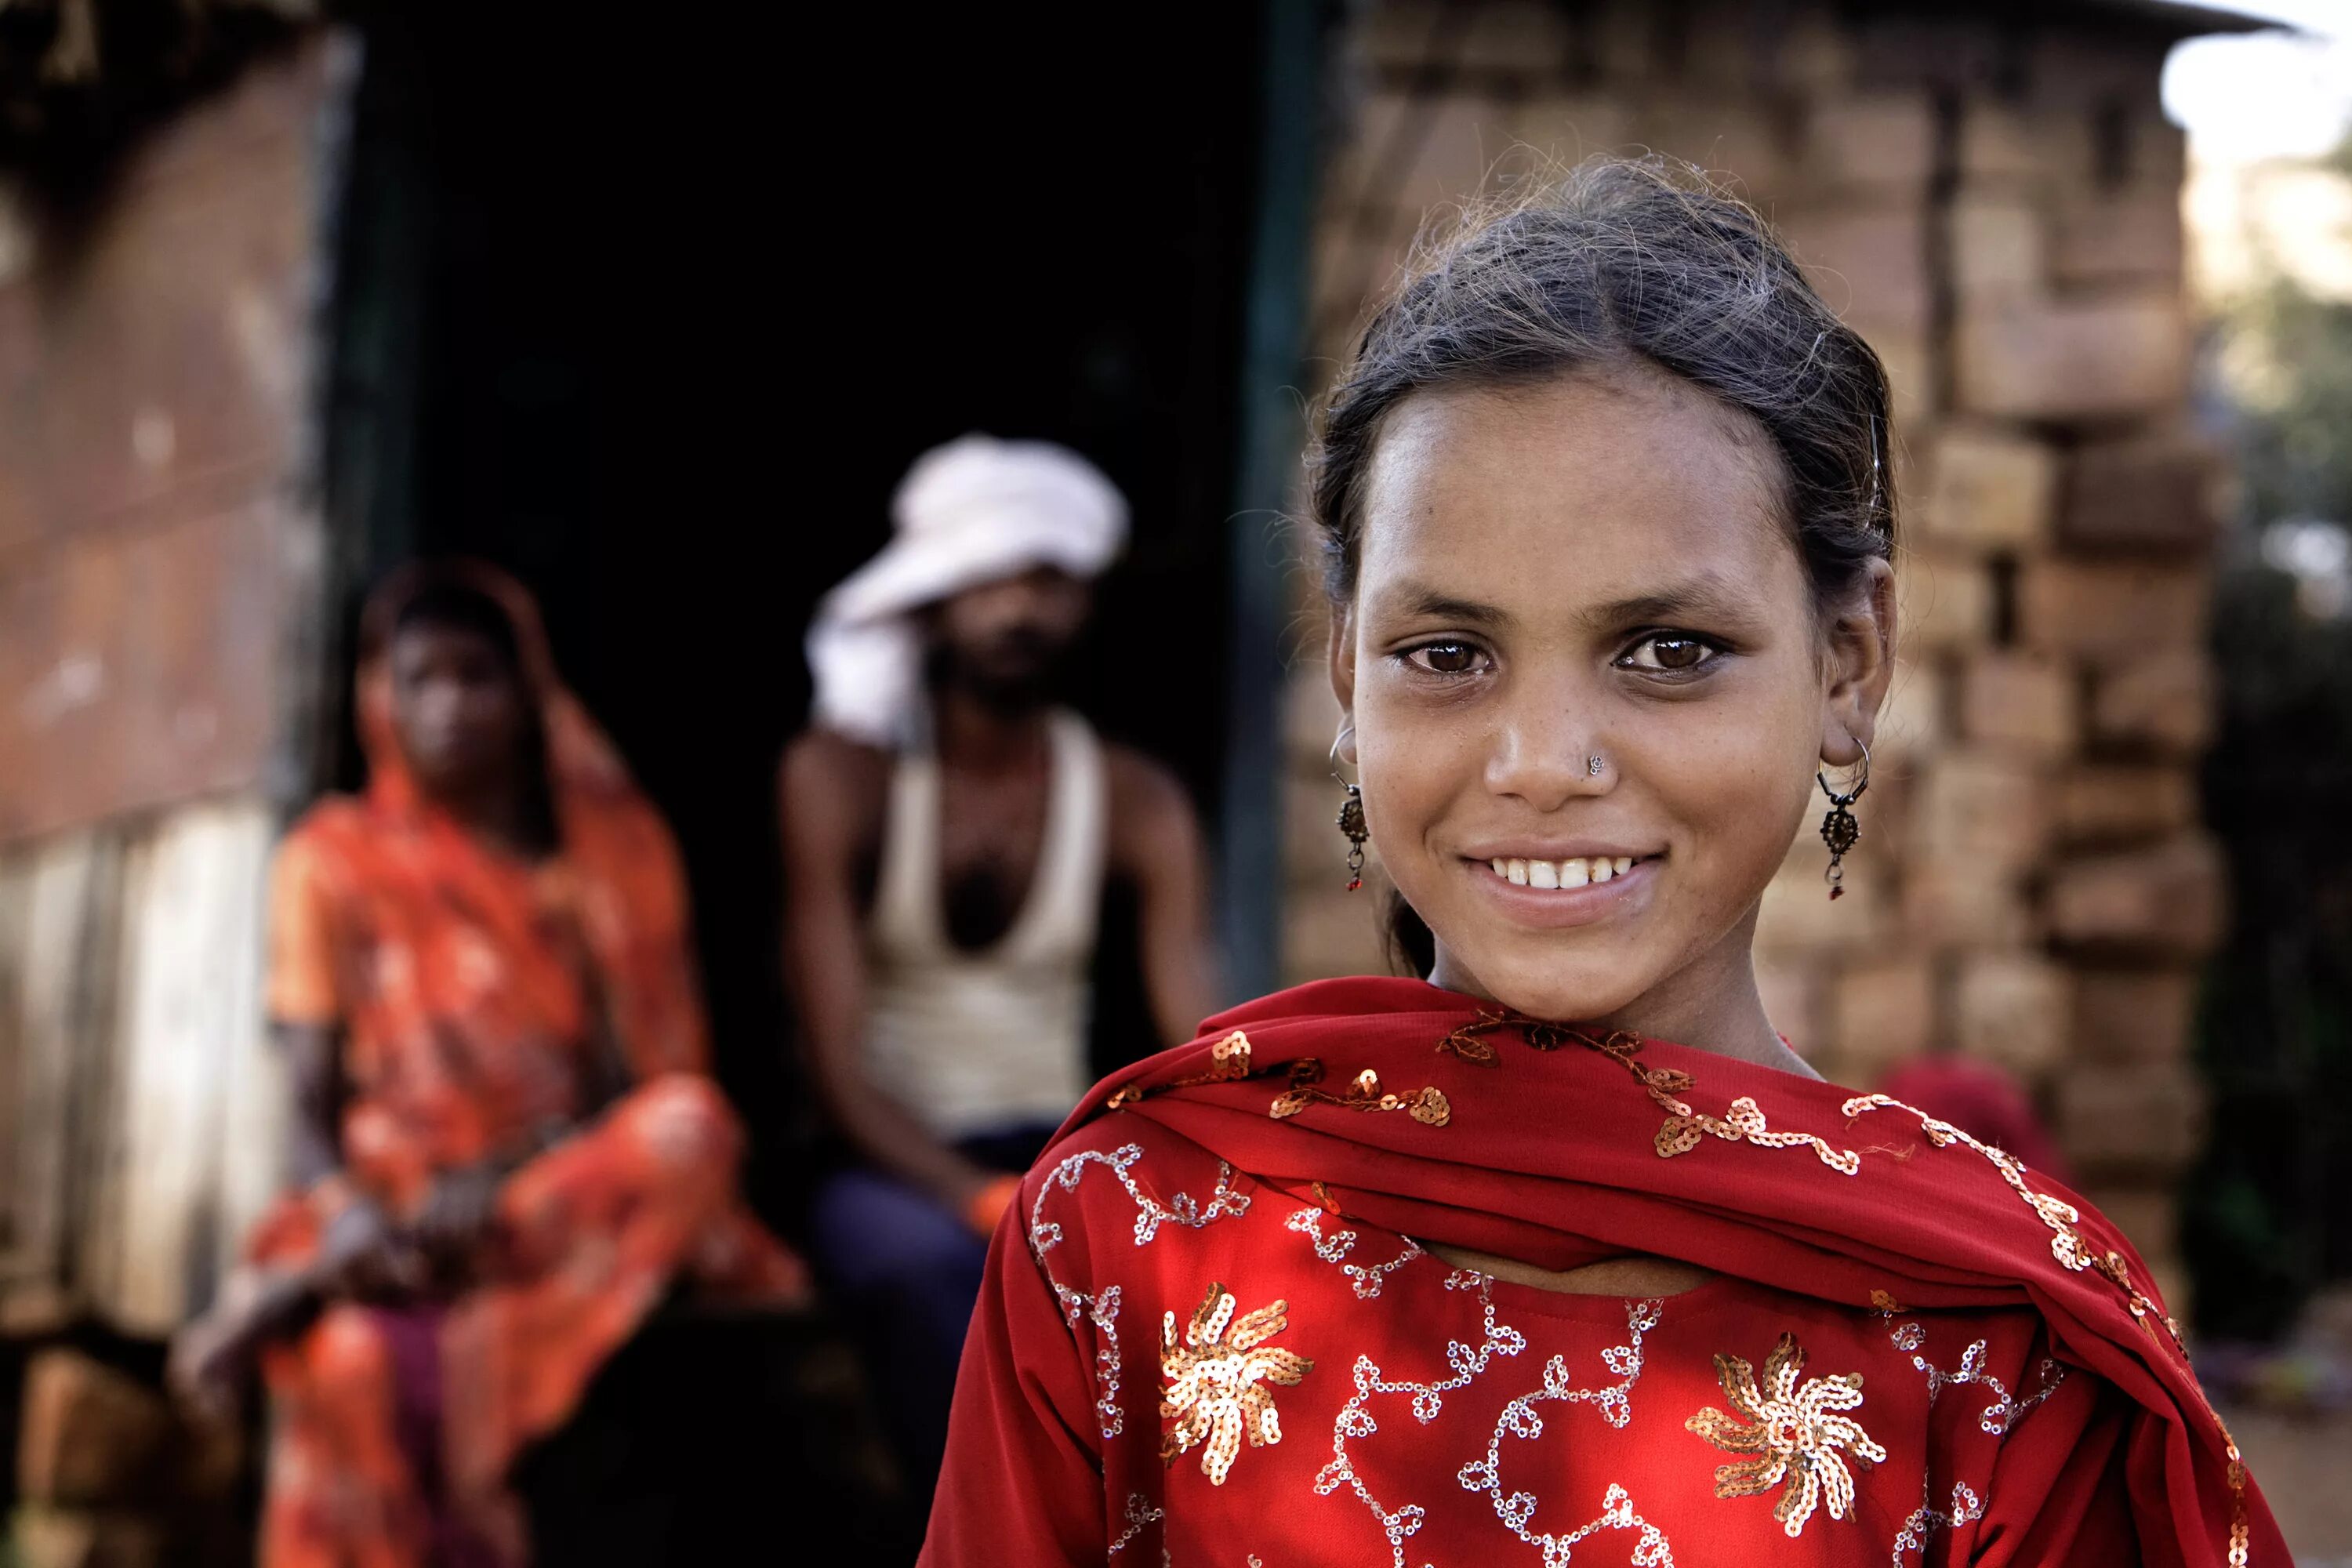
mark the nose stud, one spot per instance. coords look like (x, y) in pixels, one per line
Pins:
(1595, 766)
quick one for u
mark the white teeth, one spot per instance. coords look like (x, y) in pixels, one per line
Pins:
(1549, 874)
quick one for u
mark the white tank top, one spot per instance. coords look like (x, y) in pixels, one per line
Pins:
(993, 1040)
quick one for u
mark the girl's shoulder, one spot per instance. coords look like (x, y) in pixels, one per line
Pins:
(1124, 1179)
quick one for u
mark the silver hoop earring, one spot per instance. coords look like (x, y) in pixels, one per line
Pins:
(1840, 830)
(1350, 823)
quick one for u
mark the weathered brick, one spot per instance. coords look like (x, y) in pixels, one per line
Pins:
(1310, 716)
(1624, 36)
(2101, 609)
(1910, 362)
(1726, 139)
(2014, 1009)
(1798, 920)
(2099, 358)
(1463, 136)
(2000, 247)
(1571, 127)
(1869, 259)
(2146, 492)
(2164, 901)
(1813, 54)
(1726, 49)
(1872, 140)
(2120, 236)
(1327, 930)
(1395, 34)
(2162, 702)
(68, 1538)
(2022, 703)
(1987, 488)
(1943, 600)
(2002, 145)
(2124, 803)
(2134, 1015)
(1942, 49)
(2095, 72)
(1882, 1015)
(1912, 726)
(1356, 169)
(1515, 37)
(90, 1435)
(1957, 901)
(2142, 1118)
(2149, 1216)
(1980, 809)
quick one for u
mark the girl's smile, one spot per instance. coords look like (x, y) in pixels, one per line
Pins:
(1545, 894)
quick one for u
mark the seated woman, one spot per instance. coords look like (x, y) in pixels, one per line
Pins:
(1563, 1252)
(507, 1145)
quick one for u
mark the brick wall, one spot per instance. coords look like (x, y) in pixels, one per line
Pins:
(1996, 210)
(161, 616)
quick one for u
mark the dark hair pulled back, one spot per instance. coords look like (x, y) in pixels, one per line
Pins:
(1623, 264)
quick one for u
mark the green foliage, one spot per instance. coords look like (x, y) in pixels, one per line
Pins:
(2291, 355)
(2262, 1225)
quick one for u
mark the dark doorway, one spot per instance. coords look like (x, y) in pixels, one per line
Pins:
(657, 315)
(654, 309)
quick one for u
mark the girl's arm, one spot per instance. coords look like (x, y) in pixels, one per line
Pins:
(1023, 1480)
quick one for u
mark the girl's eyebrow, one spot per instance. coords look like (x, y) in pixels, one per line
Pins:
(1423, 603)
(1706, 596)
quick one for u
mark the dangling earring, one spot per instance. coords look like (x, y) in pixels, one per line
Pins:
(1840, 831)
(1351, 819)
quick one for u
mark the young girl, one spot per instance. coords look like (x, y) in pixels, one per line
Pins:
(1483, 1269)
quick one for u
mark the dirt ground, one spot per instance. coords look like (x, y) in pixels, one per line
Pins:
(2303, 1464)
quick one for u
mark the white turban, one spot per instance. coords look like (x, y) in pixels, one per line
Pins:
(975, 510)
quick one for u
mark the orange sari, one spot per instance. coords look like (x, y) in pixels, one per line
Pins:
(469, 988)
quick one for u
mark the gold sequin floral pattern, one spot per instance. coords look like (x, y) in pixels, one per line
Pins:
(1216, 1392)
(1794, 1434)
(1743, 1121)
(1229, 1059)
(1428, 1106)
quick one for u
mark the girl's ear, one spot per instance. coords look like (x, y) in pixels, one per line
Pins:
(1342, 654)
(1860, 666)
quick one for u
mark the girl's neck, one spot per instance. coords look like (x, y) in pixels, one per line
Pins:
(1711, 1005)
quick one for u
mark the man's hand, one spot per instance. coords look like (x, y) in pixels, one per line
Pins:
(988, 1202)
(459, 1212)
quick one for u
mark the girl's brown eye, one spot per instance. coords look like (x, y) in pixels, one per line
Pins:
(1678, 653)
(1668, 653)
(1448, 657)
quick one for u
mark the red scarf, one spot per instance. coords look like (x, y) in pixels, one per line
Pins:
(1419, 1111)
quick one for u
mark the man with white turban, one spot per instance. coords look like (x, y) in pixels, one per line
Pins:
(949, 832)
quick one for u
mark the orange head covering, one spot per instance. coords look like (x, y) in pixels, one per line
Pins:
(626, 879)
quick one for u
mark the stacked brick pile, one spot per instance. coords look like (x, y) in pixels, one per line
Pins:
(109, 1475)
(1996, 210)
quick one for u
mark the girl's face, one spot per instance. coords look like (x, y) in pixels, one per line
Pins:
(1592, 566)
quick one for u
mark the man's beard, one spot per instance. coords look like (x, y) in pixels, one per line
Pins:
(1017, 677)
